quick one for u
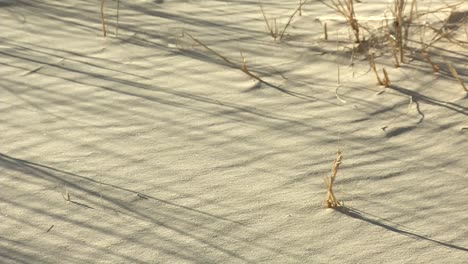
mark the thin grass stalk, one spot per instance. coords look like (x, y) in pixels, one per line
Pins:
(374, 68)
(273, 34)
(409, 22)
(242, 68)
(435, 67)
(331, 201)
(386, 81)
(456, 76)
(300, 7)
(103, 19)
(353, 21)
(346, 9)
(117, 19)
(291, 18)
(399, 12)
(325, 31)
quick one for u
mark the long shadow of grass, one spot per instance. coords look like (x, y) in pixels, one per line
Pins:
(371, 219)
(88, 186)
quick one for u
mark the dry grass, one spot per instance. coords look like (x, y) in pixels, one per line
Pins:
(66, 196)
(103, 19)
(394, 38)
(273, 26)
(435, 67)
(399, 33)
(242, 68)
(457, 77)
(117, 15)
(385, 81)
(325, 31)
(346, 9)
(330, 200)
(401, 26)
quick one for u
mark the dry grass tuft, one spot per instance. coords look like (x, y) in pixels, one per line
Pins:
(401, 27)
(273, 26)
(385, 81)
(346, 9)
(330, 200)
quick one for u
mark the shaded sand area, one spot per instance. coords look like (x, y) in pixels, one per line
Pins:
(145, 147)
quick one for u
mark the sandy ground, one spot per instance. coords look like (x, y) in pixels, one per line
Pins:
(166, 154)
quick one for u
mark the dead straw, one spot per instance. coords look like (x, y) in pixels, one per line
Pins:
(330, 200)
(456, 76)
(242, 68)
(273, 29)
(346, 9)
(103, 19)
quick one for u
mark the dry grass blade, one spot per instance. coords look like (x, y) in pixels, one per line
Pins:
(398, 12)
(290, 19)
(117, 14)
(66, 196)
(273, 29)
(410, 21)
(300, 7)
(435, 67)
(346, 9)
(392, 44)
(386, 81)
(331, 201)
(50, 228)
(325, 31)
(456, 76)
(394, 49)
(374, 68)
(103, 19)
(242, 68)
(274, 33)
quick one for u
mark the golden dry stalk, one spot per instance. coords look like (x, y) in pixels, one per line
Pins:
(435, 67)
(386, 81)
(103, 19)
(456, 76)
(331, 201)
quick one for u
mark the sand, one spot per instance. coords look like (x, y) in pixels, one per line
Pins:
(144, 147)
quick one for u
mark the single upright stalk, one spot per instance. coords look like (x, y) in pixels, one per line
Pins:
(117, 19)
(104, 31)
(399, 10)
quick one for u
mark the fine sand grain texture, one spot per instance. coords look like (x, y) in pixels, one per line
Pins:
(147, 147)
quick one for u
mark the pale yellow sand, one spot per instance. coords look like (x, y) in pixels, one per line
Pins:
(169, 156)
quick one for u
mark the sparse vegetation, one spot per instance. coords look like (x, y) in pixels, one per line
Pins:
(331, 201)
(346, 9)
(457, 77)
(272, 25)
(242, 67)
(385, 81)
(103, 19)
(398, 32)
